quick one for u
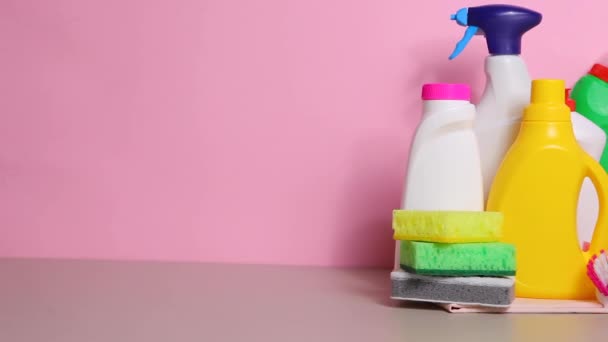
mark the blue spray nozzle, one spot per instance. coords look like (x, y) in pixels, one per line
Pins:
(502, 25)
(461, 16)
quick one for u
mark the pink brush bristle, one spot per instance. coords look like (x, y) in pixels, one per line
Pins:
(597, 282)
(597, 271)
(595, 279)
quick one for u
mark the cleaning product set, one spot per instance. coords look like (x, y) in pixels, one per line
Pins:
(524, 155)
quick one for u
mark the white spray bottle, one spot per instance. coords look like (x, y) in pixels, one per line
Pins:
(507, 90)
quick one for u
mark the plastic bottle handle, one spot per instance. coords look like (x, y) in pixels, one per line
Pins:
(599, 178)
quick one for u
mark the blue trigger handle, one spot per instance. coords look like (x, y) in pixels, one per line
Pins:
(468, 34)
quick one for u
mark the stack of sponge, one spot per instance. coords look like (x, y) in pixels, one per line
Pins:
(453, 257)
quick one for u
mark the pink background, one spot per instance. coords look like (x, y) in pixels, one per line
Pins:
(267, 131)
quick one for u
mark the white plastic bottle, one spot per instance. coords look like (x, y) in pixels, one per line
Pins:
(500, 111)
(508, 83)
(444, 171)
(593, 140)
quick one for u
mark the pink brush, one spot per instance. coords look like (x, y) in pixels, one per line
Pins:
(597, 270)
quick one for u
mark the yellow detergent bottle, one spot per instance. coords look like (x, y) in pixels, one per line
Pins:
(537, 188)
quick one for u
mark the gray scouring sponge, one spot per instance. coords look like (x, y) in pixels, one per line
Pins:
(488, 291)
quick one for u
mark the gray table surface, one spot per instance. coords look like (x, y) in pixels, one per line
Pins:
(59, 300)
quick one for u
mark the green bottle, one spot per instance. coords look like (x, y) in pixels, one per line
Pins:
(591, 96)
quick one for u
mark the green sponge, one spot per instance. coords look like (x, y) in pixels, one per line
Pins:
(462, 259)
(447, 226)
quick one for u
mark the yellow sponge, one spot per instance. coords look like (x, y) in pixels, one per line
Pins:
(447, 226)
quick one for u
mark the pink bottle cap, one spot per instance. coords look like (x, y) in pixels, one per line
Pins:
(446, 91)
